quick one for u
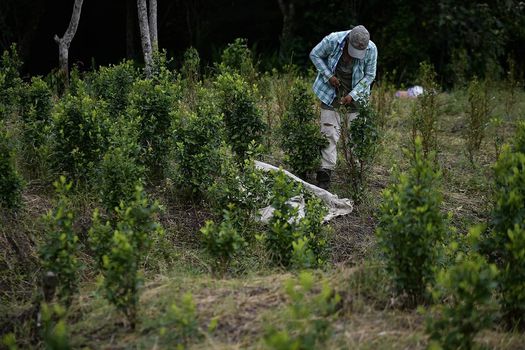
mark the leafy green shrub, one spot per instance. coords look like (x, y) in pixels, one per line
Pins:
(512, 85)
(180, 325)
(237, 59)
(425, 115)
(246, 187)
(301, 137)
(190, 69)
(411, 227)
(100, 237)
(161, 73)
(468, 286)
(360, 144)
(302, 255)
(36, 108)
(478, 113)
(291, 239)
(382, 99)
(197, 145)
(191, 76)
(308, 316)
(135, 231)
(10, 82)
(113, 85)
(11, 184)
(513, 278)
(59, 251)
(81, 134)
(242, 118)
(9, 341)
(118, 176)
(315, 234)
(54, 330)
(506, 241)
(222, 241)
(283, 230)
(150, 106)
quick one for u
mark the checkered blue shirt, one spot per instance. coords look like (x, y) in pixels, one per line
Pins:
(325, 56)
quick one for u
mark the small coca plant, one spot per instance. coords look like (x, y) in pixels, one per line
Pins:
(124, 249)
(301, 139)
(59, 251)
(360, 139)
(505, 242)
(311, 309)
(223, 241)
(237, 58)
(478, 114)
(198, 142)
(426, 112)
(412, 228)
(464, 304)
(11, 183)
(242, 117)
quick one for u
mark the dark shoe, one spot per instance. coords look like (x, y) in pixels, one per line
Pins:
(323, 178)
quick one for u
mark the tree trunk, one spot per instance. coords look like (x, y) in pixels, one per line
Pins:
(145, 39)
(153, 29)
(130, 29)
(65, 41)
(288, 12)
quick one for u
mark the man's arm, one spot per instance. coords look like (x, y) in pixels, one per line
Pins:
(360, 90)
(319, 56)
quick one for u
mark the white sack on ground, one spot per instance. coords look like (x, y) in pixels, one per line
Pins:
(336, 206)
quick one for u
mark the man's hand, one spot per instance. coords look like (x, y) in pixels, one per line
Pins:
(334, 81)
(346, 100)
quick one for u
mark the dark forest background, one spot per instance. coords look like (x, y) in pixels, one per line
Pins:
(461, 38)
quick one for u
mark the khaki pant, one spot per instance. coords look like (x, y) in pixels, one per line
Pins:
(331, 128)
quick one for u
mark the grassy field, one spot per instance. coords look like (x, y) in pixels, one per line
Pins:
(238, 310)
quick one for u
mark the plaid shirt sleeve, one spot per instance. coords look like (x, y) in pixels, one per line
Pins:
(320, 53)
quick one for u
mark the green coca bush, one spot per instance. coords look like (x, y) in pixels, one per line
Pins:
(150, 107)
(478, 115)
(60, 248)
(136, 228)
(411, 228)
(425, 115)
(467, 288)
(292, 240)
(113, 84)
(11, 183)
(10, 82)
(237, 58)
(242, 118)
(222, 241)
(301, 137)
(198, 139)
(308, 316)
(36, 113)
(506, 241)
(118, 176)
(360, 141)
(81, 130)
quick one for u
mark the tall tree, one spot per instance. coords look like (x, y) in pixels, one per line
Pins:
(154, 35)
(145, 37)
(65, 41)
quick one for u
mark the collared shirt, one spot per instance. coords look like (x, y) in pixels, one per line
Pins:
(325, 56)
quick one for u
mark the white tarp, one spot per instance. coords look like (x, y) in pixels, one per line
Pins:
(336, 206)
